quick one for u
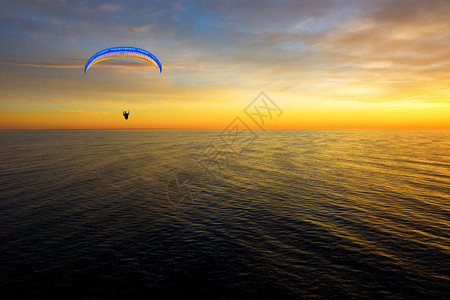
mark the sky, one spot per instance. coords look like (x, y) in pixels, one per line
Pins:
(324, 63)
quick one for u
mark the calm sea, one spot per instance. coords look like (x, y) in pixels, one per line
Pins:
(159, 214)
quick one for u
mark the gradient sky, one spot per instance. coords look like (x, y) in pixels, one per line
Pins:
(326, 64)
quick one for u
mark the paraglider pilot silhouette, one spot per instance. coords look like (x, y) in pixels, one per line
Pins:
(125, 114)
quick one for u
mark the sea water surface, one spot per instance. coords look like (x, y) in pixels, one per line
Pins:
(320, 214)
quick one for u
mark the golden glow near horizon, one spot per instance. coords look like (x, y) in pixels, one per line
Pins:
(327, 64)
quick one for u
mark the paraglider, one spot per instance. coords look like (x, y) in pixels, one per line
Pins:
(123, 52)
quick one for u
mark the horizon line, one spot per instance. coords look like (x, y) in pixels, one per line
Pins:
(342, 128)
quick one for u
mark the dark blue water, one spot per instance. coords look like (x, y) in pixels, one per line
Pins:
(298, 214)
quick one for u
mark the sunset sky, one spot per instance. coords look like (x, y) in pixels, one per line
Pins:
(326, 64)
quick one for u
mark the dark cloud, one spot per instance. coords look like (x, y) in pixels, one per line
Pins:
(53, 28)
(45, 5)
(408, 12)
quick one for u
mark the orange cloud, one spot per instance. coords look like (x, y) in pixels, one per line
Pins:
(80, 111)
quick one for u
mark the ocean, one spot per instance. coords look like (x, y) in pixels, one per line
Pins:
(274, 214)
